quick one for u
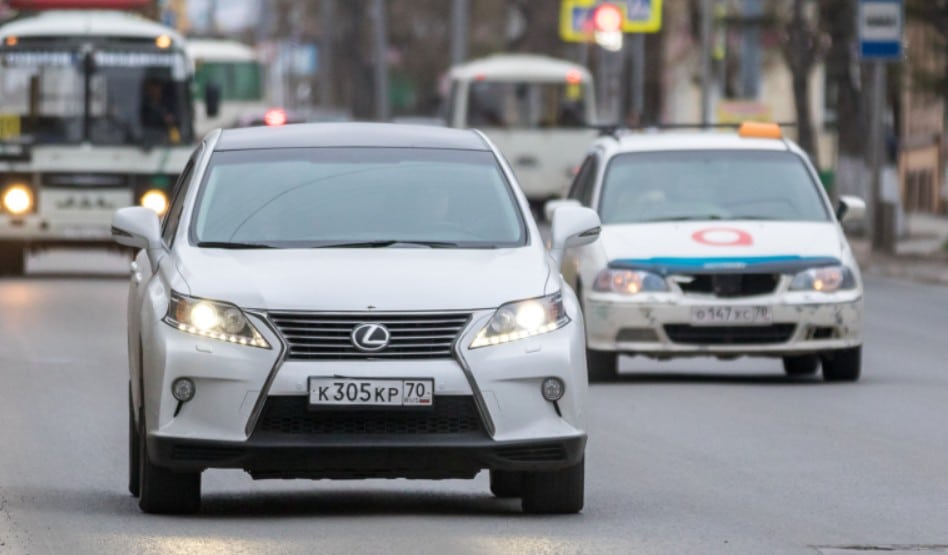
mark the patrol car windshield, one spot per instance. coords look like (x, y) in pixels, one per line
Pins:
(709, 185)
(356, 197)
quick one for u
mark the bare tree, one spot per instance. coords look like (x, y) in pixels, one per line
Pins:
(802, 49)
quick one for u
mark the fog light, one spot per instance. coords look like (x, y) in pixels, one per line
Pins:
(553, 389)
(183, 389)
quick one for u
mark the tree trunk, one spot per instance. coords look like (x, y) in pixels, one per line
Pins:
(801, 50)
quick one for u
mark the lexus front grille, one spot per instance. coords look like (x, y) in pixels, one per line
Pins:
(329, 336)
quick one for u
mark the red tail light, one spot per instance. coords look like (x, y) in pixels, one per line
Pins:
(275, 117)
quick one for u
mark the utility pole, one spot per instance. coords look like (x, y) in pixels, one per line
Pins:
(327, 24)
(381, 61)
(750, 49)
(706, 77)
(459, 25)
(637, 42)
(882, 234)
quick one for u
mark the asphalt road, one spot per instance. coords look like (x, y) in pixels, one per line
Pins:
(683, 457)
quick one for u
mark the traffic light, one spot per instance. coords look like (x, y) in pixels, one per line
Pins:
(607, 23)
(607, 18)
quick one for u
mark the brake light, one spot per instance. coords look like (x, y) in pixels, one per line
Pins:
(275, 117)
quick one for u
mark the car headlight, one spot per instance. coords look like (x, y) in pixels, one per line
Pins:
(18, 199)
(213, 319)
(522, 319)
(628, 282)
(826, 280)
(156, 200)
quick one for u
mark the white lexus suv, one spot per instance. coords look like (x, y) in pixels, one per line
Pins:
(353, 301)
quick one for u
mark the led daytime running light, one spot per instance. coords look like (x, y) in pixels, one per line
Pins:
(182, 311)
(521, 320)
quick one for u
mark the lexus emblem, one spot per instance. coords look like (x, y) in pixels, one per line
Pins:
(370, 337)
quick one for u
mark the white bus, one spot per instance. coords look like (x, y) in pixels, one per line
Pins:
(536, 109)
(233, 69)
(95, 114)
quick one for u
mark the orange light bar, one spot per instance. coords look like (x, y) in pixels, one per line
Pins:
(760, 130)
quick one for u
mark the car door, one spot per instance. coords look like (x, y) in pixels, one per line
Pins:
(143, 273)
(581, 191)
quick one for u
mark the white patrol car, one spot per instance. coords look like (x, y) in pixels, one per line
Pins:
(715, 244)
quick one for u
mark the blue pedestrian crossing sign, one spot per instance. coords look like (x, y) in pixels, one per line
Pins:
(638, 16)
(879, 26)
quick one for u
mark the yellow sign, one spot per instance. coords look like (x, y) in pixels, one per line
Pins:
(9, 126)
(638, 16)
(739, 111)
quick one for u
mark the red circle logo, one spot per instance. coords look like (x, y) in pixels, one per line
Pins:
(723, 237)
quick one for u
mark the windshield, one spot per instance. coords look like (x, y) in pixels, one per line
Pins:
(133, 97)
(709, 185)
(364, 197)
(238, 81)
(526, 104)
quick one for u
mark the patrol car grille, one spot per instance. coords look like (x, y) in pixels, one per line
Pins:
(729, 335)
(321, 336)
(290, 415)
(730, 285)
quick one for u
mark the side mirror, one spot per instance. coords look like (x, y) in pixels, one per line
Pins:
(573, 226)
(552, 205)
(851, 209)
(212, 99)
(136, 226)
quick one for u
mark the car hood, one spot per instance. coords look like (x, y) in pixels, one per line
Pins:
(723, 241)
(385, 279)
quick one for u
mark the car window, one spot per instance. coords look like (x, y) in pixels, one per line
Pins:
(585, 181)
(170, 224)
(710, 185)
(311, 197)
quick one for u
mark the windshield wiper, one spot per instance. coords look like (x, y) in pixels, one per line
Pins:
(232, 245)
(386, 243)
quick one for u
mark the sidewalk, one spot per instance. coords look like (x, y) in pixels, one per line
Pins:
(921, 255)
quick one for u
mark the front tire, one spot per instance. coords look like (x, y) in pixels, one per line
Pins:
(602, 366)
(554, 492)
(804, 365)
(134, 449)
(842, 365)
(505, 483)
(163, 491)
(12, 259)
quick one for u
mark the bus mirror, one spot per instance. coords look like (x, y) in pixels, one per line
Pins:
(212, 99)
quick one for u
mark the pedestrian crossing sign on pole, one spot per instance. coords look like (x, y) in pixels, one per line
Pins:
(638, 16)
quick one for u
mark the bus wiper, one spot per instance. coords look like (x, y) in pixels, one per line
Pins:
(686, 218)
(386, 243)
(232, 245)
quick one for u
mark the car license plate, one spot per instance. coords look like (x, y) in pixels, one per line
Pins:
(727, 315)
(371, 392)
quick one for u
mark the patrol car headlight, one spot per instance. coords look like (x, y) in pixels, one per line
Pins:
(826, 280)
(522, 319)
(629, 282)
(214, 320)
(18, 199)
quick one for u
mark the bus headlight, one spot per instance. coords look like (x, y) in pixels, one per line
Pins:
(18, 199)
(156, 200)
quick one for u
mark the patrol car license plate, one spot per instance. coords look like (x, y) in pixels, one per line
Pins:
(731, 315)
(370, 392)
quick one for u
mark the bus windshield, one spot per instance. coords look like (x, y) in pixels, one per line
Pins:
(238, 81)
(526, 104)
(107, 97)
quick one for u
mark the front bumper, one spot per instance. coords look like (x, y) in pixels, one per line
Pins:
(660, 324)
(356, 457)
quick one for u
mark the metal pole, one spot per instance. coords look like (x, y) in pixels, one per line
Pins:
(459, 24)
(877, 154)
(750, 49)
(706, 76)
(381, 62)
(325, 57)
(638, 76)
